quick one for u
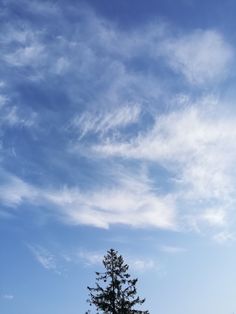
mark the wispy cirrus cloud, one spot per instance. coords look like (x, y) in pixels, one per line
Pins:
(130, 202)
(45, 258)
(198, 148)
(12, 115)
(14, 191)
(105, 88)
(143, 264)
(200, 159)
(193, 142)
(25, 56)
(202, 56)
(102, 122)
(127, 201)
(90, 257)
(137, 264)
(13, 118)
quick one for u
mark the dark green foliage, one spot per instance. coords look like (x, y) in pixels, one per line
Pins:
(117, 295)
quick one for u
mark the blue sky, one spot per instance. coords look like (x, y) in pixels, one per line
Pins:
(117, 129)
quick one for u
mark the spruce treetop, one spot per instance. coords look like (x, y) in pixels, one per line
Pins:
(117, 293)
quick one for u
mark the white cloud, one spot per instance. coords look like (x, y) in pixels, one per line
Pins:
(198, 147)
(132, 203)
(14, 191)
(141, 265)
(45, 258)
(214, 217)
(102, 122)
(137, 264)
(12, 115)
(8, 297)
(24, 56)
(90, 257)
(24, 47)
(201, 56)
(127, 200)
(12, 118)
(195, 145)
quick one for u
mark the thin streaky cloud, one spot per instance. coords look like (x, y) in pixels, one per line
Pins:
(117, 129)
(130, 202)
(137, 264)
(202, 56)
(102, 122)
(45, 258)
(188, 141)
(215, 217)
(14, 191)
(90, 257)
(25, 56)
(142, 264)
(135, 208)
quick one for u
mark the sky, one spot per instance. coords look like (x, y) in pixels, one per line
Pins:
(117, 130)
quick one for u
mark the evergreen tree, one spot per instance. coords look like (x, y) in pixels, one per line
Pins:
(117, 295)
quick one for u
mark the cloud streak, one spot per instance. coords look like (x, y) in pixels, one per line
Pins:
(137, 264)
(191, 141)
(202, 56)
(45, 258)
(198, 149)
(103, 122)
(98, 100)
(126, 201)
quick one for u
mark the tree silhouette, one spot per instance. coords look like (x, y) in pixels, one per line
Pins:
(117, 295)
